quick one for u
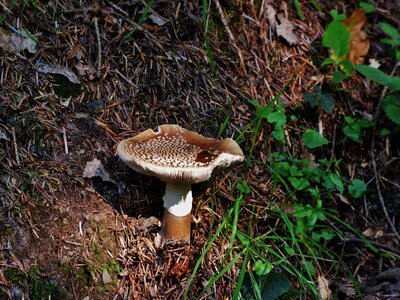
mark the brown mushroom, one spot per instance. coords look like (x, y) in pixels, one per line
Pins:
(180, 158)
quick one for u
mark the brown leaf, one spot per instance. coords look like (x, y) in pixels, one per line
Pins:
(271, 15)
(323, 288)
(11, 42)
(58, 69)
(94, 168)
(359, 42)
(285, 30)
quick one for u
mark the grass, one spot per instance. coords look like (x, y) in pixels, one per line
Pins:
(298, 249)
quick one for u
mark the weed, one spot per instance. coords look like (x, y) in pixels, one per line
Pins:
(353, 127)
(337, 39)
(318, 98)
(393, 40)
(296, 248)
(206, 40)
(141, 20)
(33, 284)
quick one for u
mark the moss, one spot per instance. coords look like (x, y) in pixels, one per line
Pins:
(64, 88)
(82, 276)
(16, 276)
(36, 286)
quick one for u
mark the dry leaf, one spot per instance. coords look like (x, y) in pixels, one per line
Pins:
(86, 70)
(157, 19)
(271, 15)
(359, 42)
(11, 42)
(323, 288)
(285, 29)
(3, 135)
(372, 233)
(94, 168)
(57, 69)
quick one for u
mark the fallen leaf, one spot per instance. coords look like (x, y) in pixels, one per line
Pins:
(373, 233)
(374, 63)
(157, 19)
(3, 135)
(285, 30)
(323, 288)
(86, 70)
(11, 42)
(94, 168)
(57, 69)
(359, 42)
(271, 15)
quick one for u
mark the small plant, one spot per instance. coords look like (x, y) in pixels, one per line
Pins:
(393, 40)
(313, 139)
(353, 127)
(337, 39)
(318, 98)
(390, 103)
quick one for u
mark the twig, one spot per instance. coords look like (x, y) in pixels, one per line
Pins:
(378, 187)
(116, 7)
(15, 145)
(230, 34)
(65, 141)
(224, 21)
(376, 244)
(99, 57)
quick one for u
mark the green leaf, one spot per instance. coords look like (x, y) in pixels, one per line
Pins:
(390, 42)
(337, 38)
(336, 16)
(289, 250)
(254, 102)
(312, 99)
(324, 100)
(338, 77)
(309, 267)
(243, 187)
(337, 181)
(327, 103)
(328, 61)
(380, 77)
(277, 117)
(312, 139)
(270, 286)
(327, 234)
(390, 30)
(357, 188)
(278, 135)
(391, 106)
(385, 132)
(262, 268)
(352, 132)
(299, 183)
(275, 286)
(263, 111)
(294, 171)
(369, 8)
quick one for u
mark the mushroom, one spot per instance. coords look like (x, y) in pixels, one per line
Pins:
(180, 158)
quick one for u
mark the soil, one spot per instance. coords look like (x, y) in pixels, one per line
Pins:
(123, 67)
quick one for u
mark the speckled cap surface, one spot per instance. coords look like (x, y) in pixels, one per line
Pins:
(174, 154)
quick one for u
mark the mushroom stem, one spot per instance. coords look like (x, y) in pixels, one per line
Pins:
(175, 228)
(178, 198)
(177, 213)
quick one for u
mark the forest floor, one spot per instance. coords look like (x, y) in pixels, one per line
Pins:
(77, 77)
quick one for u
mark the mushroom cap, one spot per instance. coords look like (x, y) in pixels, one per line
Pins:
(174, 154)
